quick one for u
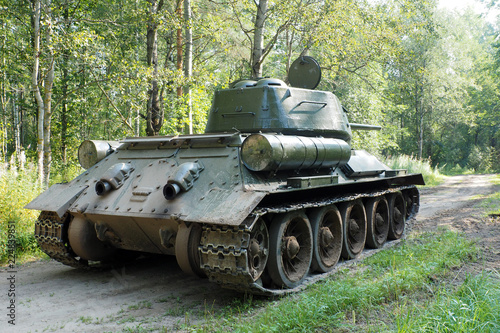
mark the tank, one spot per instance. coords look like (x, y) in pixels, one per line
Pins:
(269, 198)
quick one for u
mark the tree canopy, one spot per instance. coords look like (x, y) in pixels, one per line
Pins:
(89, 69)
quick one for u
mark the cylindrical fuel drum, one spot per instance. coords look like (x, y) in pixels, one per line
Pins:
(269, 152)
(92, 151)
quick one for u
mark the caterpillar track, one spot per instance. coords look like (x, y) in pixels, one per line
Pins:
(229, 266)
(223, 250)
(51, 235)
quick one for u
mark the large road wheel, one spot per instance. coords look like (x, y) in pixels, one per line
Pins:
(354, 231)
(377, 222)
(186, 249)
(326, 224)
(258, 251)
(83, 241)
(397, 212)
(291, 246)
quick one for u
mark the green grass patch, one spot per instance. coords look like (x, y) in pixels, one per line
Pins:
(17, 188)
(491, 202)
(387, 277)
(472, 307)
(432, 176)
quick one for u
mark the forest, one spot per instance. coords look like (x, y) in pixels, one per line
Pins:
(110, 69)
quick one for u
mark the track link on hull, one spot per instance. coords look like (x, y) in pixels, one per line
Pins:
(224, 250)
(50, 234)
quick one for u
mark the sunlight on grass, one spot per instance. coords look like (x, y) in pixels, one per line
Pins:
(472, 307)
(384, 278)
(491, 202)
(17, 188)
(431, 175)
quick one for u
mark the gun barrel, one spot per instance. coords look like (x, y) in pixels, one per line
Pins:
(363, 127)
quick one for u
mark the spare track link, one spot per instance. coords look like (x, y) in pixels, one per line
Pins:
(223, 249)
(50, 235)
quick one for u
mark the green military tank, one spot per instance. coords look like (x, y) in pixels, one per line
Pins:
(270, 197)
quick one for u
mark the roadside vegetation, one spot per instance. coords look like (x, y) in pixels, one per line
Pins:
(491, 203)
(432, 175)
(18, 188)
(412, 287)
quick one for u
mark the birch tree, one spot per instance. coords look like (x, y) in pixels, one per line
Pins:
(36, 89)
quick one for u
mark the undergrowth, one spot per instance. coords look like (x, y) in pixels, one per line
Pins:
(432, 175)
(381, 282)
(18, 188)
(472, 307)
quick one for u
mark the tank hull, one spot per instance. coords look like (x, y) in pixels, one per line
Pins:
(221, 195)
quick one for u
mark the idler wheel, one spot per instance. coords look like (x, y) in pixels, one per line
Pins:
(83, 241)
(258, 251)
(326, 224)
(186, 249)
(397, 213)
(291, 248)
(377, 221)
(354, 231)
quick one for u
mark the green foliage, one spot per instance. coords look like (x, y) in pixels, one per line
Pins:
(17, 188)
(429, 77)
(432, 175)
(385, 278)
(473, 307)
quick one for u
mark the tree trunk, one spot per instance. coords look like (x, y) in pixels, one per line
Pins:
(188, 67)
(64, 91)
(17, 127)
(48, 83)
(36, 89)
(154, 117)
(179, 44)
(258, 39)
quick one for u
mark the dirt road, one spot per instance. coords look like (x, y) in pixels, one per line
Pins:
(153, 293)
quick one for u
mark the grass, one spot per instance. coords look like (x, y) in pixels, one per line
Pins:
(382, 285)
(17, 188)
(491, 203)
(472, 307)
(432, 176)
(141, 305)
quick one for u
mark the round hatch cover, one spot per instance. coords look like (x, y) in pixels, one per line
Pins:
(305, 72)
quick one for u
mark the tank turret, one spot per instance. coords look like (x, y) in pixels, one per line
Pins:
(268, 199)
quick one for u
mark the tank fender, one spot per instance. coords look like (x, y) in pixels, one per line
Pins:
(58, 198)
(113, 178)
(182, 180)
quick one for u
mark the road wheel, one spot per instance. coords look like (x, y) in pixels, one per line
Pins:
(291, 245)
(354, 231)
(377, 222)
(186, 249)
(326, 224)
(397, 212)
(83, 241)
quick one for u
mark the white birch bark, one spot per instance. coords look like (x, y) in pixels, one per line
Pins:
(36, 88)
